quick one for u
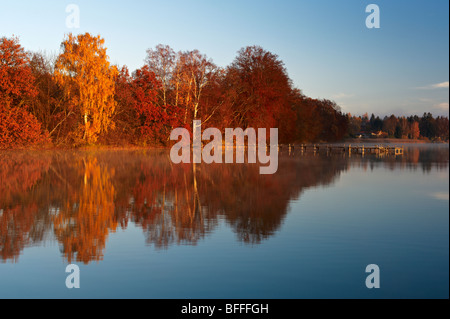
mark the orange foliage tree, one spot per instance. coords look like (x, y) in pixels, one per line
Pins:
(88, 79)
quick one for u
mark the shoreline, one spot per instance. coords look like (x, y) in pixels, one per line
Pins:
(136, 147)
(390, 141)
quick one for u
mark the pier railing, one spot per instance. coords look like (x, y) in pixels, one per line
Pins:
(329, 148)
(345, 148)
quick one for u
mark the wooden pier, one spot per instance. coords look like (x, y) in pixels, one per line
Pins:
(349, 149)
(379, 150)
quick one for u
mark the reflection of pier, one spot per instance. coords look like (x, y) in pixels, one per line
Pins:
(349, 149)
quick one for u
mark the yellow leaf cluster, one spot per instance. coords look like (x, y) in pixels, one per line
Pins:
(84, 71)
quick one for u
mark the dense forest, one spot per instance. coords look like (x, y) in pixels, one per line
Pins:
(79, 98)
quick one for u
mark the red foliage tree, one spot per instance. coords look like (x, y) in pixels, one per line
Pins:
(17, 126)
(156, 122)
(16, 79)
(257, 92)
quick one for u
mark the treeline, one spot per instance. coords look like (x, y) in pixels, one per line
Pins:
(78, 97)
(411, 127)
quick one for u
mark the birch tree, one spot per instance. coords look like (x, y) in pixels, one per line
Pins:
(84, 71)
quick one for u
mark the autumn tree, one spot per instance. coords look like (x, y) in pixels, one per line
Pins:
(125, 117)
(414, 130)
(16, 79)
(194, 72)
(335, 124)
(258, 90)
(49, 105)
(354, 127)
(151, 116)
(161, 61)
(18, 127)
(308, 124)
(88, 79)
(320, 120)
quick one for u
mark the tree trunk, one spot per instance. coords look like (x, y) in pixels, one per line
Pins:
(85, 126)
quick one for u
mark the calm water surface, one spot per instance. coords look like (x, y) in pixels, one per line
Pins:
(140, 227)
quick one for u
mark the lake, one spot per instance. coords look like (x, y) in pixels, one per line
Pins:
(139, 226)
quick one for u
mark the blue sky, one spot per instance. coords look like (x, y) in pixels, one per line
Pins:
(401, 68)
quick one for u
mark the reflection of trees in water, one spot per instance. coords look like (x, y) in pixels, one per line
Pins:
(255, 205)
(176, 213)
(414, 158)
(80, 197)
(21, 221)
(83, 222)
(63, 195)
(165, 202)
(183, 203)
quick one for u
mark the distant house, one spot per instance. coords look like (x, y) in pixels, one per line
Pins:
(379, 134)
